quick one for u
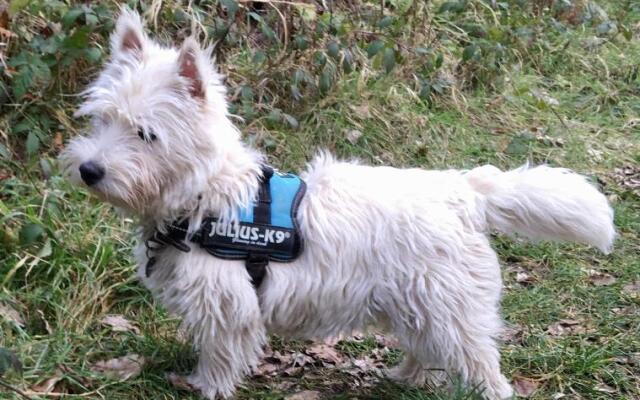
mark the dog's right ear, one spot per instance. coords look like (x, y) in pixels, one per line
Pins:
(129, 35)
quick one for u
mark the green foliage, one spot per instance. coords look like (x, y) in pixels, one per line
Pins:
(59, 45)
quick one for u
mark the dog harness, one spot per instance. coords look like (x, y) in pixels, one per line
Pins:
(266, 231)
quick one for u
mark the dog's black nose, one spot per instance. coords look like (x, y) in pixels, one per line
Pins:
(91, 172)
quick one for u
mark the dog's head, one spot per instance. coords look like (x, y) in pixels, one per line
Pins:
(158, 123)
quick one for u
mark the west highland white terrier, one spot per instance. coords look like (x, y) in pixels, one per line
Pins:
(404, 250)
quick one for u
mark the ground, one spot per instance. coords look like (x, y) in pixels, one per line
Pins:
(69, 300)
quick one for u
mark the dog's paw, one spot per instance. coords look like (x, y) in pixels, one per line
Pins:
(411, 372)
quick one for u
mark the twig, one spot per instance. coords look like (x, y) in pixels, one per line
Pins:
(15, 389)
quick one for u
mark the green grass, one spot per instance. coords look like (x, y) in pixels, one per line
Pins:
(64, 279)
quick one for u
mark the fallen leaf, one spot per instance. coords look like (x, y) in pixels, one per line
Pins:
(180, 382)
(266, 369)
(603, 280)
(49, 385)
(512, 334)
(10, 314)
(301, 359)
(567, 327)
(284, 386)
(362, 111)
(550, 141)
(325, 353)
(353, 135)
(304, 395)
(5, 174)
(386, 341)
(632, 289)
(524, 387)
(293, 371)
(604, 388)
(119, 323)
(628, 177)
(121, 368)
(365, 364)
(523, 277)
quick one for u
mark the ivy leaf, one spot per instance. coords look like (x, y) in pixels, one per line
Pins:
(8, 360)
(374, 48)
(231, 6)
(470, 52)
(269, 33)
(385, 22)
(333, 49)
(301, 42)
(425, 91)
(91, 19)
(30, 233)
(389, 59)
(78, 40)
(326, 79)
(33, 143)
(71, 16)
(93, 54)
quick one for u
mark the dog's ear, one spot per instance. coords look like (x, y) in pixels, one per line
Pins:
(129, 35)
(193, 64)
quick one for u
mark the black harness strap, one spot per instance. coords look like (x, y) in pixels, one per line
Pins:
(255, 263)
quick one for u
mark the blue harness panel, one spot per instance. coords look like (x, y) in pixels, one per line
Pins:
(283, 190)
(268, 228)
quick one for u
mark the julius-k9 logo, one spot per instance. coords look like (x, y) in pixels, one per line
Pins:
(256, 235)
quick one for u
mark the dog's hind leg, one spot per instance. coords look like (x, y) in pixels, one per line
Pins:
(455, 320)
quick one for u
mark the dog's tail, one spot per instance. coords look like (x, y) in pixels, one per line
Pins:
(545, 203)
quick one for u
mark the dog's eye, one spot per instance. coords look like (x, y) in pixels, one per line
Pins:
(147, 137)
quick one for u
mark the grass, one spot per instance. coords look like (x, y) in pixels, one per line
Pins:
(64, 279)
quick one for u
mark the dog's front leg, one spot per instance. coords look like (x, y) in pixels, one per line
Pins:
(219, 308)
(228, 348)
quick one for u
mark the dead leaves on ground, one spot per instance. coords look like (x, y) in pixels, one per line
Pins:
(121, 368)
(304, 395)
(599, 278)
(119, 323)
(364, 369)
(524, 387)
(628, 177)
(632, 289)
(9, 313)
(565, 327)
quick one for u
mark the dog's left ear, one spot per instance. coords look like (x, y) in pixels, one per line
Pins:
(193, 64)
(129, 35)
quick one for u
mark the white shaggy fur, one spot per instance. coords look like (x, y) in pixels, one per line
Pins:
(404, 250)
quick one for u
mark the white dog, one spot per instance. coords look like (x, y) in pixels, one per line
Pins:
(405, 250)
